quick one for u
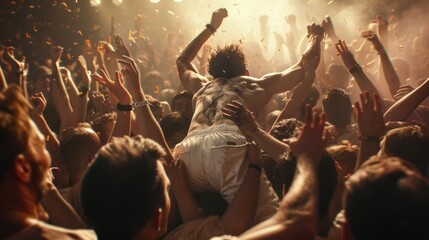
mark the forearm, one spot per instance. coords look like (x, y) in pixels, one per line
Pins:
(52, 143)
(364, 83)
(60, 212)
(3, 82)
(297, 99)
(191, 51)
(186, 203)
(390, 74)
(297, 215)
(148, 126)
(239, 215)
(403, 108)
(273, 147)
(60, 86)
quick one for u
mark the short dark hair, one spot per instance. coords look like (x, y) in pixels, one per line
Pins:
(174, 122)
(123, 187)
(387, 199)
(409, 143)
(15, 126)
(182, 94)
(337, 106)
(227, 62)
(286, 128)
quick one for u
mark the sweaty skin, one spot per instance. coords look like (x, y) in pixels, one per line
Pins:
(212, 98)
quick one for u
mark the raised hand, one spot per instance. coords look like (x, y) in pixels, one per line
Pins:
(56, 53)
(291, 20)
(311, 139)
(241, 116)
(345, 54)
(121, 48)
(131, 73)
(86, 75)
(329, 28)
(39, 103)
(373, 38)
(369, 116)
(16, 65)
(217, 17)
(116, 87)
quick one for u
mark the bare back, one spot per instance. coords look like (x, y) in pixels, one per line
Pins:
(211, 98)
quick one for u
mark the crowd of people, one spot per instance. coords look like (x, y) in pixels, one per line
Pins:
(122, 144)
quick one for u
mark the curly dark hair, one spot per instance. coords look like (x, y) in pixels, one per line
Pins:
(227, 62)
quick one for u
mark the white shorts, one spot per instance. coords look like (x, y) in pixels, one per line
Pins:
(215, 158)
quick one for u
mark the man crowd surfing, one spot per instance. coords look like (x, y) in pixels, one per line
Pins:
(118, 145)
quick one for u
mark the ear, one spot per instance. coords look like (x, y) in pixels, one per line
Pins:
(247, 73)
(156, 220)
(22, 169)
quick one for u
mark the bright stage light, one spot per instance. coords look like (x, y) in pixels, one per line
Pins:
(178, 1)
(154, 1)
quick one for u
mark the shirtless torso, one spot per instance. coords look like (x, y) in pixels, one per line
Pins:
(212, 97)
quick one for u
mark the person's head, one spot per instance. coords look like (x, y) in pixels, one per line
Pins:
(227, 62)
(286, 128)
(24, 160)
(124, 193)
(387, 199)
(311, 99)
(338, 107)
(345, 154)
(103, 126)
(78, 146)
(175, 126)
(182, 102)
(409, 143)
(39, 79)
(167, 95)
(338, 76)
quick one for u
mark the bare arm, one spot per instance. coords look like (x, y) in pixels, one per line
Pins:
(299, 94)
(146, 122)
(188, 73)
(389, 71)
(286, 80)
(365, 85)
(123, 120)
(403, 108)
(369, 118)
(297, 215)
(246, 121)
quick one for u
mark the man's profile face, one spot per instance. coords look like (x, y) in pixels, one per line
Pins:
(40, 161)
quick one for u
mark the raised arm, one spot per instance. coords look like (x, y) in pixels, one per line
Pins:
(297, 215)
(283, 81)
(145, 122)
(123, 120)
(403, 108)
(246, 121)
(365, 85)
(3, 82)
(369, 118)
(300, 92)
(188, 73)
(18, 70)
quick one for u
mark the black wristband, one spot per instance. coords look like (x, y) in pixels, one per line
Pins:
(210, 28)
(255, 166)
(124, 108)
(355, 68)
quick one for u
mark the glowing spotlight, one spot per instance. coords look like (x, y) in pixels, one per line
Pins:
(178, 1)
(154, 1)
(95, 3)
